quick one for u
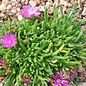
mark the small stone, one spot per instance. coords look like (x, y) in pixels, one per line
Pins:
(1, 78)
(38, 2)
(2, 7)
(66, 4)
(84, 5)
(10, 14)
(26, 2)
(18, 14)
(22, 1)
(7, 11)
(20, 17)
(18, 5)
(50, 10)
(9, 7)
(5, 17)
(13, 11)
(13, 4)
(18, 9)
(48, 4)
(5, 2)
(43, 4)
(2, 15)
(42, 8)
(84, 11)
(32, 3)
(3, 11)
(82, 1)
(13, 0)
(1, 22)
(13, 18)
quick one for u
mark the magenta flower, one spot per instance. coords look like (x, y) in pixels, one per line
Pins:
(26, 79)
(9, 40)
(72, 75)
(60, 79)
(29, 12)
(1, 62)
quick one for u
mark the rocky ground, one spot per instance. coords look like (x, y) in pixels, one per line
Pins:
(12, 9)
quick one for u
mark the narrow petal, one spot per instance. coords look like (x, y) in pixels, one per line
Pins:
(52, 81)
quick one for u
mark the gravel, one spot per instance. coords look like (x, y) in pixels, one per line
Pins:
(12, 8)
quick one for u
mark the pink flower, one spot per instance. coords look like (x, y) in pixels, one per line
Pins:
(60, 79)
(29, 12)
(72, 75)
(26, 79)
(1, 62)
(9, 40)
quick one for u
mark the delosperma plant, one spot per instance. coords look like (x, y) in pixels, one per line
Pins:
(40, 50)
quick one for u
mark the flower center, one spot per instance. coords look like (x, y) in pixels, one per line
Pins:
(58, 80)
(9, 41)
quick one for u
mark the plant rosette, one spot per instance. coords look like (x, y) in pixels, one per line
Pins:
(42, 50)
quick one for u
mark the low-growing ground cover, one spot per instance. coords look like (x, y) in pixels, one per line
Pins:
(42, 50)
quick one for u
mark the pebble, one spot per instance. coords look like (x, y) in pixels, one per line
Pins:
(1, 84)
(18, 5)
(3, 11)
(83, 1)
(13, 7)
(32, 3)
(48, 4)
(1, 22)
(84, 11)
(2, 7)
(17, 14)
(38, 2)
(22, 1)
(66, 4)
(13, 0)
(13, 11)
(2, 15)
(26, 2)
(41, 8)
(50, 10)
(5, 2)
(18, 9)
(10, 14)
(9, 7)
(13, 4)
(20, 17)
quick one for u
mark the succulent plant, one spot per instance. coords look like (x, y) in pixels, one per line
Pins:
(44, 46)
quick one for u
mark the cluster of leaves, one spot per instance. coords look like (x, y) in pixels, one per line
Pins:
(44, 46)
